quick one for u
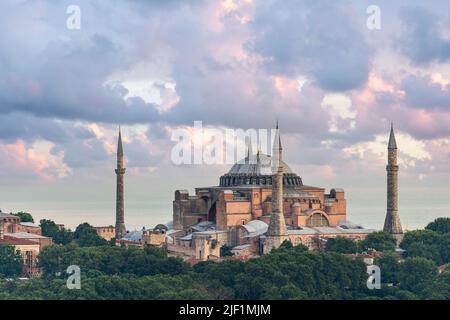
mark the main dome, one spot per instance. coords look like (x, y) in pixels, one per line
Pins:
(262, 166)
(257, 171)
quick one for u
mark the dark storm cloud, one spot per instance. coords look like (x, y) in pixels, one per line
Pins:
(422, 40)
(313, 37)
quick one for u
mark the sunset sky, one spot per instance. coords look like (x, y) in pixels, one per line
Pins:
(157, 66)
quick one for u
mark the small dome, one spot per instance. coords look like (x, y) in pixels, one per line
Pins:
(295, 205)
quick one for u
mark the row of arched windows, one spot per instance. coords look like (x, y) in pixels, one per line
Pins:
(236, 180)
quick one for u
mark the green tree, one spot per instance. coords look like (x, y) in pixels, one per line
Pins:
(286, 245)
(110, 260)
(10, 261)
(389, 267)
(48, 228)
(24, 216)
(415, 274)
(440, 225)
(59, 235)
(63, 236)
(341, 245)
(225, 251)
(86, 236)
(427, 244)
(380, 241)
(440, 288)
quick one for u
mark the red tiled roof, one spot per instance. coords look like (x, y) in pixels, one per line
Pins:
(16, 241)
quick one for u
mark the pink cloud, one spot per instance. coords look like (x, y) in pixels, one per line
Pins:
(21, 160)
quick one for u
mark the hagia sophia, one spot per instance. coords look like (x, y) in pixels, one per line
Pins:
(256, 206)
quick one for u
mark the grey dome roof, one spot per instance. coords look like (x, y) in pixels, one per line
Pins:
(257, 171)
(253, 166)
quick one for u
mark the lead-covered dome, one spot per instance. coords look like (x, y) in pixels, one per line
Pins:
(257, 171)
(261, 164)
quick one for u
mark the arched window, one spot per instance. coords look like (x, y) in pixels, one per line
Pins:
(317, 220)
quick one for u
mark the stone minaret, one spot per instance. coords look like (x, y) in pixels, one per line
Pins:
(120, 172)
(392, 223)
(249, 158)
(277, 232)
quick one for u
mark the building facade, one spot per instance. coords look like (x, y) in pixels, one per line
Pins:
(264, 189)
(107, 233)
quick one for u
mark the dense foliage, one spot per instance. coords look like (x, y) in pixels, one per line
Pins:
(110, 260)
(378, 241)
(427, 244)
(86, 236)
(289, 272)
(24, 216)
(59, 235)
(10, 261)
(440, 225)
(342, 245)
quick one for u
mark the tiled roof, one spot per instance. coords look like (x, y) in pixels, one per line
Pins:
(6, 215)
(29, 224)
(16, 241)
(25, 235)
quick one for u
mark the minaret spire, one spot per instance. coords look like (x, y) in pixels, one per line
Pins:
(392, 143)
(120, 172)
(119, 145)
(277, 231)
(392, 223)
(249, 150)
(276, 150)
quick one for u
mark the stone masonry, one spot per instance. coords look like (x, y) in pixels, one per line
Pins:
(392, 222)
(120, 172)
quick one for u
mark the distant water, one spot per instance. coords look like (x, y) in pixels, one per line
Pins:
(137, 215)
(370, 212)
(414, 217)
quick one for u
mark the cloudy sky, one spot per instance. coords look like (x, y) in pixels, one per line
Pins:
(157, 66)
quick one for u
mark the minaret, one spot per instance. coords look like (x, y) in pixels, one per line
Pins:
(277, 232)
(392, 223)
(249, 157)
(120, 172)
